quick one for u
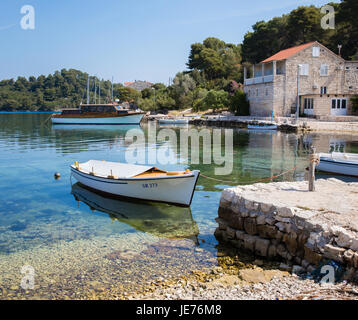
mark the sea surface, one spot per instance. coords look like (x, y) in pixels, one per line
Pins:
(59, 240)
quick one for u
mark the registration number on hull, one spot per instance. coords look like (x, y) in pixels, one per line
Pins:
(149, 185)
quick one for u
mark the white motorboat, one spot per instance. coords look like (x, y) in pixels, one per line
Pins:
(137, 182)
(340, 163)
(262, 127)
(174, 121)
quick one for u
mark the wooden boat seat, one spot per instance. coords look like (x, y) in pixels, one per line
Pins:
(160, 173)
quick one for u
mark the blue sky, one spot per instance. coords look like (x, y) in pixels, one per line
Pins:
(129, 40)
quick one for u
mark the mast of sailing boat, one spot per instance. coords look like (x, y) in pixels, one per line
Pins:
(112, 89)
(88, 89)
(95, 89)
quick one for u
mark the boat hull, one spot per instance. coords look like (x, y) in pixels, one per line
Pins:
(272, 127)
(177, 121)
(123, 120)
(338, 167)
(176, 190)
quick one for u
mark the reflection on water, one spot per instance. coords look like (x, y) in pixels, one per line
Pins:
(161, 220)
(72, 250)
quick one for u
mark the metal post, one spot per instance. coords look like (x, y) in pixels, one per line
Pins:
(298, 92)
(312, 168)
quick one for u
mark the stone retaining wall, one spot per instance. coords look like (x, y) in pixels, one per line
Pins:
(298, 236)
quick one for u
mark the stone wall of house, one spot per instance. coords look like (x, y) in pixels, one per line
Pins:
(261, 98)
(311, 84)
(290, 234)
(339, 81)
(322, 103)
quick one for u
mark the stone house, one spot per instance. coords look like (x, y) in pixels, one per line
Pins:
(325, 82)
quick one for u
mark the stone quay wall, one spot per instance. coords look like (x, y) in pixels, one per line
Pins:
(293, 234)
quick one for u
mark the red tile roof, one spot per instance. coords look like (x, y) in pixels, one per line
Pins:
(287, 53)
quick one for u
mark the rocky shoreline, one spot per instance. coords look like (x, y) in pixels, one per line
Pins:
(256, 283)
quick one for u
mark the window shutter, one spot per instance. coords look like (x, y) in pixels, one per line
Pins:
(304, 69)
(316, 51)
(324, 70)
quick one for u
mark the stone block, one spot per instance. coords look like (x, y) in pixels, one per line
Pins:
(344, 239)
(236, 222)
(272, 252)
(225, 213)
(230, 232)
(311, 256)
(266, 231)
(335, 253)
(261, 246)
(291, 243)
(240, 235)
(348, 257)
(250, 226)
(222, 223)
(281, 251)
(285, 212)
(266, 207)
(260, 220)
(249, 242)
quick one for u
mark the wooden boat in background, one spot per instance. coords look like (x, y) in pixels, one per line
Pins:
(100, 114)
(137, 182)
(339, 163)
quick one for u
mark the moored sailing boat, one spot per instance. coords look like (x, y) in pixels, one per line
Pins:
(101, 114)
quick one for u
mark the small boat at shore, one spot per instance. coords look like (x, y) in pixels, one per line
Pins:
(262, 127)
(339, 163)
(174, 121)
(137, 181)
(98, 114)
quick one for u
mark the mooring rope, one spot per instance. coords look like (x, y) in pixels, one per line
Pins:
(252, 181)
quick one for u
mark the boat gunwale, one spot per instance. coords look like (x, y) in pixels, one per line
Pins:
(332, 161)
(88, 175)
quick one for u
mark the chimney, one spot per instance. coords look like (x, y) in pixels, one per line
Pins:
(339, 49)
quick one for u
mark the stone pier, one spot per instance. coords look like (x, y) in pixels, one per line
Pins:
(284, 221)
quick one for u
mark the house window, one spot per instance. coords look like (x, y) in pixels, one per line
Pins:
(304, 69)
(339, 103)
(316, 51)
(347, 68)
(257, 92)
(266, 92)
(324, 70)
(308, 103)
(323, 90)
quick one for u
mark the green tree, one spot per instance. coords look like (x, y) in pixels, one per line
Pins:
(216, 99)
(239, 104)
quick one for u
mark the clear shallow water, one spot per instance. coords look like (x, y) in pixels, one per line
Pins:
(82, 245)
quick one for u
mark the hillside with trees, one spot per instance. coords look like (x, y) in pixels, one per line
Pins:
(214, 75)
